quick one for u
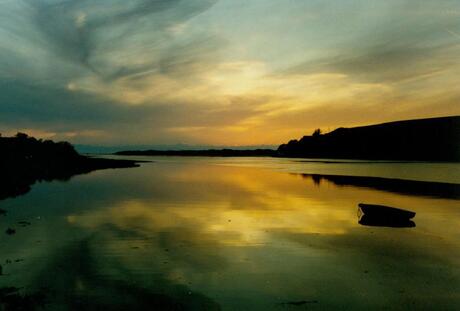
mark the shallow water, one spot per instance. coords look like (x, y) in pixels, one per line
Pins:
(235, 234)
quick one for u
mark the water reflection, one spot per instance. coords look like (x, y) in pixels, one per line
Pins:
(81, 281)
(401, 186)
(202, 237)
(373, 221)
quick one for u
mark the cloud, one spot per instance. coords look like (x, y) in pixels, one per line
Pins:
(67, 111)
(383, 64)
(108, 39)
(391, 42)
(74, 66)
(82, 31)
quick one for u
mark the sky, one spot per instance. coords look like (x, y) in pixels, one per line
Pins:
(222, 72)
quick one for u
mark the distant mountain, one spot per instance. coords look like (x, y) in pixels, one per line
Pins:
(172, 147)
(434, 139)
(202, 153)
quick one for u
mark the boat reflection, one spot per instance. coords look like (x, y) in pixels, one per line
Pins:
(367, 220)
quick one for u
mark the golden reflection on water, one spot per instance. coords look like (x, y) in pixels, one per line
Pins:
(242, 206)
(237, 206)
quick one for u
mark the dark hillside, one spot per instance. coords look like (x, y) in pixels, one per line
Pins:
(25, 160)
(436, 139)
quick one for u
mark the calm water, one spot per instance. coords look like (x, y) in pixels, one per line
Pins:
(234, 234)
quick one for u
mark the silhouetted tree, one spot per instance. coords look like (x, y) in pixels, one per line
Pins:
(24, 160)
(316, 133)
(22, 135)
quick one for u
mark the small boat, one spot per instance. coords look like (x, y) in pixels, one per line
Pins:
(385, 211)
(384, 216)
